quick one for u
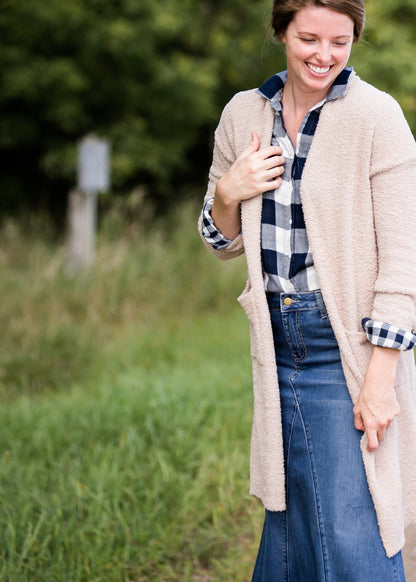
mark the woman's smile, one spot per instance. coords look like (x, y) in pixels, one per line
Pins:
(317, 69)
(318, 45)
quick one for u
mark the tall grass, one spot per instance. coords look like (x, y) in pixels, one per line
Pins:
(126, 410)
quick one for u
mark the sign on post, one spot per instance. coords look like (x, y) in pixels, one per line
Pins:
(93, 177)
(93, 165)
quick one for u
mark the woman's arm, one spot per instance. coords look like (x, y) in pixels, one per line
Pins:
(377, 404)
(393, 184)
(255, 171)
(231, 181)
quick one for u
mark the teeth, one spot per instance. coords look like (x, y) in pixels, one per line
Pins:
(320, 70)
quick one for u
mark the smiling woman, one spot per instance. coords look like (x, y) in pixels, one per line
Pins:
(314, 178)
(318, 45)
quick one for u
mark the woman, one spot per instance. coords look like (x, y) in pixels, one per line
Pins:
(313, 177)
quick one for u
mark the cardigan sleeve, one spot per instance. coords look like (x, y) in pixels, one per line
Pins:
(223, 158)
(393, 186)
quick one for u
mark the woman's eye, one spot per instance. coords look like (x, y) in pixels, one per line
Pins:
(336, 43)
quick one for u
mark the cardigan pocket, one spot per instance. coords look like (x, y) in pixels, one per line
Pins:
(248, 303)
(361, 350)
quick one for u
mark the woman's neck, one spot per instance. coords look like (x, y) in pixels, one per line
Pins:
(298, 101)
(295, 105)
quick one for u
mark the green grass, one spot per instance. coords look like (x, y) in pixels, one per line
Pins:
(126, 411)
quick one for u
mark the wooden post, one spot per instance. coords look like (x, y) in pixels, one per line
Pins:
(93, 178)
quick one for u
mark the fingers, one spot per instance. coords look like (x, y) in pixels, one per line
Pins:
(253, 172)
(373, 440)
(253, 147)
(274, 161)
(372, 433)
(374, 428)
(273, 174)
(264, 153)
(269, 162)
(368, 426)
(381, 433)
(265, 166)
(255, 141)
(375, 436)
(358, 421)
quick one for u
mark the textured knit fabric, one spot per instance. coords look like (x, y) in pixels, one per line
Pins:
(286, 256)
(364, 184)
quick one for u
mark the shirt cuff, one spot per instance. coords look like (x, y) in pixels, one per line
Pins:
(388, 336)
(210, 231)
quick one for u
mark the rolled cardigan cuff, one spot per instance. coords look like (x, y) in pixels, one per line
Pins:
(394, 306)
(386, 335)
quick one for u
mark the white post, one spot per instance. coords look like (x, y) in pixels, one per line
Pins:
(82, 211)
(93, 177)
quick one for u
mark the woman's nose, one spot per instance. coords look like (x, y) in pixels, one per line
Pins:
(324, 54)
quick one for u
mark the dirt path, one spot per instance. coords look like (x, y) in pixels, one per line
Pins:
(409, 554)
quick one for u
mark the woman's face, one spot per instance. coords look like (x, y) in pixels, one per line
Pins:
(318, 45)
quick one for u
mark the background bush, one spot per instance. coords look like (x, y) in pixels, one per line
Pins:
(126, 409)
(152, 77)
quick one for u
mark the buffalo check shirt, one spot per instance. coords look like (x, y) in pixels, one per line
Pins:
(287, 260)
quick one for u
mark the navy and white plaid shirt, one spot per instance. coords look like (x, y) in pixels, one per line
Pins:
(287, 261)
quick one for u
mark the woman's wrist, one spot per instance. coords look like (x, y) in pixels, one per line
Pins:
(384, 362)
(222, 196)
(225, 213)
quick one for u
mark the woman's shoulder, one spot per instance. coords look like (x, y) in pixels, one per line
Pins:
(373, 102)
(246, 108)
(245, 101)
(377, 114)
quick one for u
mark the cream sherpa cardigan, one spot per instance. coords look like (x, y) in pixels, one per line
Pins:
(358, 194)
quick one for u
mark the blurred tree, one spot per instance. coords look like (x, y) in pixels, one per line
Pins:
(386, 57)
(152, 77)
(148, 75)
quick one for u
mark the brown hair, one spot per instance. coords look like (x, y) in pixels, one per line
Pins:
(284, 11)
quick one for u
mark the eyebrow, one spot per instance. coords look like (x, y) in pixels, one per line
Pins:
(316, 35)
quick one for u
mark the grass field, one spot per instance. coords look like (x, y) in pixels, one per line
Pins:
(126, 410)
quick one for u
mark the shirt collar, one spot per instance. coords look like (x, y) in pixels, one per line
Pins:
(272, 89)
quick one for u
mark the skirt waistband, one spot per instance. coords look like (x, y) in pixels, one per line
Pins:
(297, 301)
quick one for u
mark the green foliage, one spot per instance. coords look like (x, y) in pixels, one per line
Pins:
(140, 474)
(152, 77)
(147, 75)
(386, 57)
(57, 326)
(134, 465)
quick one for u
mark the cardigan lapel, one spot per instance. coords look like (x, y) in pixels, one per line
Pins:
(251, 209)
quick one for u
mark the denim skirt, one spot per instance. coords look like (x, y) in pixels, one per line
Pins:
(329, 531)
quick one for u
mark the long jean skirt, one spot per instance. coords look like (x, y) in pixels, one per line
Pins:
(329, 531)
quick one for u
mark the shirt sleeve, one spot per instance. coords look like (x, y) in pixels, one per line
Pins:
(210, 231)
(388, 336)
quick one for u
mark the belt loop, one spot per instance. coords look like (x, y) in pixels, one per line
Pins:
(321, 304)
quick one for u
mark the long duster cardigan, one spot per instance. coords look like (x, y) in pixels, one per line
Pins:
(358, 193)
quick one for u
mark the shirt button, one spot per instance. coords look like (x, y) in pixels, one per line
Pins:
(287, 301)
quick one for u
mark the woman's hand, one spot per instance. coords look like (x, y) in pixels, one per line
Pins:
(377, 404)
(255, 171)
